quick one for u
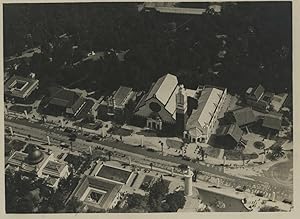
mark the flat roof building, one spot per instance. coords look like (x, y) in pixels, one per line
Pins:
(229, 135)
(63, 101)
(20, 87)
(272, 121)
(42, 164)
(103, 187)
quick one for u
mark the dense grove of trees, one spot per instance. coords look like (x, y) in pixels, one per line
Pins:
(158, 200)
(26, 194)
(257, 43)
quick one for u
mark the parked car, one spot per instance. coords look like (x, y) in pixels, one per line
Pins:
(64, 145)
(95, 137)
(88, 140)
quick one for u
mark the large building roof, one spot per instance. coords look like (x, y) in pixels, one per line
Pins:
(273, 121)
(62, 97)
(54, 168)
(232, 130)
(243, 116)
(121, 96)
(27, 162)
(207, 105)
(21, 87)
(163, 88)
(256, 92)
(107, 189)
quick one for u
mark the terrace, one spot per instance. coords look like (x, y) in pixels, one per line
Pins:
(97, 193)
(113, 173)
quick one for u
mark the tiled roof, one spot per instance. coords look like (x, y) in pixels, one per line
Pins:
(243, 116)
(53, 168)
(273, 121)
(207, 105)
(121, 95)
(233, 130)
(258, 91)
(163, 88)
(66, 98)
(62, 97)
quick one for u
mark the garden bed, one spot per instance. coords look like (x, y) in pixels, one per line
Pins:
(120, 131)
(212, 151)
(174, 143)
(20, 109)
(259, 145)
(238, 155)
(147, 133)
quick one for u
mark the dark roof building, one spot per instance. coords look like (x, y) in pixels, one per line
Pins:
(258, 98)
(120, 97)
(255, 93)
(273, 121)
(66, 101)
(20, 87)
(242, 116)
(63, 98)
(229, 135)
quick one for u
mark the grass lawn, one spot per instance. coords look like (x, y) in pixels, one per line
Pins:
(174, 143)
(92, 126)
(120, 131)
(147, 133)
(237, 155)
(212, 151)
(20, 109)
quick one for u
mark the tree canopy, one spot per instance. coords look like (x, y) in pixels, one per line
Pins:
(256, 38)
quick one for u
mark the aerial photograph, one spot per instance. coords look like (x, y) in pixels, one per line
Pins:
(144, 107)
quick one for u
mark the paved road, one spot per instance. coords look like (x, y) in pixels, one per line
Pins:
(209, 172)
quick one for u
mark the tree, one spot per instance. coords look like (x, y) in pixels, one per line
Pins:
(129, 110)
(196, 172)
(175, 201)
(277, 152)
(202, 154)
(182, 167)
(157, 194)
(136, 201)
(269, 209)
(74, 206)
(109, 155)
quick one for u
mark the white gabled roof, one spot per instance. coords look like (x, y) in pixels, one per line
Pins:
(171, 104)
(207, 105)
(163, 88)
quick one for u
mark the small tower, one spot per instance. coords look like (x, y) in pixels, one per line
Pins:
(181, 108)
(188, 182)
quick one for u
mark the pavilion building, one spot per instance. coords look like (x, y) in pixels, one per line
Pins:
(190, 113)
